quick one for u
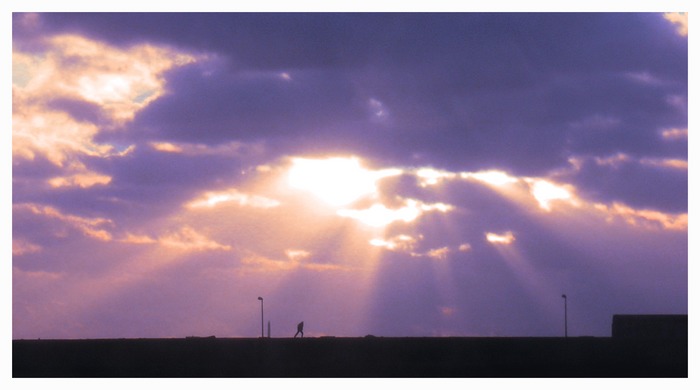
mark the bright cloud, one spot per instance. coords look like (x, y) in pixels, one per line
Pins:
(666, 163)
(213, 198)
(408, 244)
(680, 19)
(184, 239)
(438, 253)
(90, 227)
(506, 238)
(190, 240)
(430, 177)
(650, 219)
(547, 192)
(52, 134)
(21, 247)
(82, 180)
(675, 134)
(119, 82)
(401, 242)
(378, 215)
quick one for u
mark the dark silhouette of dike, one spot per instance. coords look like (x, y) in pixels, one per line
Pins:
(641, 347)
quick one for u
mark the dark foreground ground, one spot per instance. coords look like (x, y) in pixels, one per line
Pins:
(367, 357)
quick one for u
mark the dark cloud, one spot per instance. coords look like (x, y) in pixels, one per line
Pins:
(148, 183)
(248, 106)
(638, 185)
(80, 110)
(463, 90)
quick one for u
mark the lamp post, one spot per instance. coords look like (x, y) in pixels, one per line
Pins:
(566, 330)
(262, 316)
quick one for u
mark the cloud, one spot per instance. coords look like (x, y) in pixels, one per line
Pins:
(651, 219)
(90, 227)
(401, 242)
(407, 244)
(73, 68)
(680, 19)
(184, 239)
(82, 180)
(464, 247)
(212, 199)
(69, 90)
(438, 253)
(21, 247)
(648, 182)
(675, 134)
(379, 215)
(500, 238)
(547, 192)
(231, 149)
(190, 240)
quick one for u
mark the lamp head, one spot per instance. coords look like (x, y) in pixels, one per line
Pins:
(260, 299)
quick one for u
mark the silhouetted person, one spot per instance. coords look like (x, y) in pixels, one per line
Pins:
(300, 329)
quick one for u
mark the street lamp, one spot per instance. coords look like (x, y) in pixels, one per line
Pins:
(262, 322)
(566, 330)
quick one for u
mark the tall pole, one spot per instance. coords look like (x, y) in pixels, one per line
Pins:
(262, 316)
(566, 325)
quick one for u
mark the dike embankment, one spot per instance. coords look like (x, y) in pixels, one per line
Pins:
(365, 357)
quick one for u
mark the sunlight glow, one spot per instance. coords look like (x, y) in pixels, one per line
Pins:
(338, 181)
(493, 177)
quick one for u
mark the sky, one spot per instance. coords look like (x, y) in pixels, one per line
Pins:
(388, 174)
